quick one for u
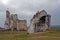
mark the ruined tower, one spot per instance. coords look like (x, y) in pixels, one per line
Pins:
(14, 19)
(7, 22)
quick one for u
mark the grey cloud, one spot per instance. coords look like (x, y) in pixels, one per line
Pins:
(27, 8)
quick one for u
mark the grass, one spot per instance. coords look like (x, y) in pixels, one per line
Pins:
(14, 35)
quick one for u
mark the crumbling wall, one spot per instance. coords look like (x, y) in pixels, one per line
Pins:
(40, 22)
(23, 25)
(14, 23)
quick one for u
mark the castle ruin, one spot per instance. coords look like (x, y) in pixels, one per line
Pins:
(12, 22)
(40, 22)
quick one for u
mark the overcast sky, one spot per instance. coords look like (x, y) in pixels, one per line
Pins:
(27, 8)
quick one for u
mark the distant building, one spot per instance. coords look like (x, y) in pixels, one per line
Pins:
(12, 22)
(40, 22)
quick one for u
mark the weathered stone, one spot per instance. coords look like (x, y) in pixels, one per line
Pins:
(7, 22)
(14, 23)
(22, 24)
(40, 22)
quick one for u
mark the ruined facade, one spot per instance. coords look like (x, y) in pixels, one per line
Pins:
(12, 22)
(40, 22)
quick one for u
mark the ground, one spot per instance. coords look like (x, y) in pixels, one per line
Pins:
(14, 35)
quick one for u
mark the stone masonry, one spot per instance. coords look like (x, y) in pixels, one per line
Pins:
(13, 23)
(40, 22)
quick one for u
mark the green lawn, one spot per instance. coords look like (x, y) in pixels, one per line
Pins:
(52, 35)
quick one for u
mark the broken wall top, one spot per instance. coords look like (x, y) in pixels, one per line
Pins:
(43, 12)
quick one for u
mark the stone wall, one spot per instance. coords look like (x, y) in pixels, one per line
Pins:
(40, 22)
(13, 23)
(22, 25)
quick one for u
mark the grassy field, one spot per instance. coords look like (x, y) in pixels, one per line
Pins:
(52, 35)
